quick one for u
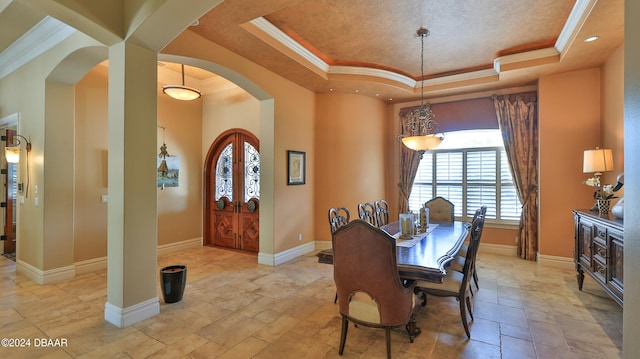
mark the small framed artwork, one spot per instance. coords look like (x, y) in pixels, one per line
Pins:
(296, 169)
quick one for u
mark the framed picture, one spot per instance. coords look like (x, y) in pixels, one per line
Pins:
(296, 169)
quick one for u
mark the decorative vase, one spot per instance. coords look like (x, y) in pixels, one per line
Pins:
(603, 206)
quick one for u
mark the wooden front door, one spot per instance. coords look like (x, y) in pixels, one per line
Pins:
(232, 192)
(10, 193)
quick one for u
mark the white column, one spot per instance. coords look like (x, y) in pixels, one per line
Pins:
(132, 215)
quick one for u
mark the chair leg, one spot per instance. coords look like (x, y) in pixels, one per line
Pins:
(423, 295)
(343, 335)
(475, 276)
(463, 315)
(412, 328)
(388, 335)
(335, 300)
(469, 307)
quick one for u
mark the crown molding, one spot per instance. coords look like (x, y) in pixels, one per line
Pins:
(578, 16)
(526, 59)
(270, 34)
(43, 36)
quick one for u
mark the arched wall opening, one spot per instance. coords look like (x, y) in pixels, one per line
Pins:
(60, 146)
(266, 137)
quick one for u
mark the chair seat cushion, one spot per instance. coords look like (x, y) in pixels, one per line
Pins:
(364, 308)
(457, 264)
(452, 282)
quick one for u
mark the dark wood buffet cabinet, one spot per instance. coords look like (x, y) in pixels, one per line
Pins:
(599, 251)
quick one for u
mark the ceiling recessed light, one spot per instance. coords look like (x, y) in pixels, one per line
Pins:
(591, 38)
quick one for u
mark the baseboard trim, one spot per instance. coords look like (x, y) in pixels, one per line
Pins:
(177, 246)
(320, 245)
(285, 256)
(556, 262)
(95, 264)
(45, 277)
(91, 265)
(500, 249)
(122, 318)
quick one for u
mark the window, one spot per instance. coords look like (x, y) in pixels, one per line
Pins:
(470, 169)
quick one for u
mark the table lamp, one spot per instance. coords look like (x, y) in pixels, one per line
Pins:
(597, 161)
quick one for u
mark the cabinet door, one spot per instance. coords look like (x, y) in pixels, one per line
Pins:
(584, 243)
(615, 279)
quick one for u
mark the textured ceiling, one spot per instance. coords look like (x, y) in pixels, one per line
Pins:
(465, 37)
(370, 47)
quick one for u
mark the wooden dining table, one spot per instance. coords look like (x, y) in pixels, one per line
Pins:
(429, 257)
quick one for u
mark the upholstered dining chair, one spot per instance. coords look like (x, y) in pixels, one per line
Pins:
(382, 212)
(370, 292)
(457, 284)
(440, 210)
(367, 212)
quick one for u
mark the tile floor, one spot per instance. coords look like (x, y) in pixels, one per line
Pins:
(234, 308)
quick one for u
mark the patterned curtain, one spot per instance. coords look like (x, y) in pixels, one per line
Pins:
(518, 123)
(409, 161)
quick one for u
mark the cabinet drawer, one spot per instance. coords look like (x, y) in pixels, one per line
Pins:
(600, 271)
(600, 251)
(599, 232)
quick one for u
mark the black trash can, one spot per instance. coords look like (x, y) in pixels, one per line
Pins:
(172, 281)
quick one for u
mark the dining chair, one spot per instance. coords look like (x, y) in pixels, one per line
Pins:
(382, 212)
(458, 263)
(338, 217)
(440, 210)
(370, 292)
(457, 284)
(367, 212)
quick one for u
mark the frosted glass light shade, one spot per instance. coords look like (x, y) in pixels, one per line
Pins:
(182, 93)
(423, 143)
(12, 154)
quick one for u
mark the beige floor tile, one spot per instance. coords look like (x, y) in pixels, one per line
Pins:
(515, 348)
(246, 349)
(236, 308)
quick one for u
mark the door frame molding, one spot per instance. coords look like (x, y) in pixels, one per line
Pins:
(6, 122)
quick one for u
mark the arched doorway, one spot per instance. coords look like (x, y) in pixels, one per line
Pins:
(232, 192)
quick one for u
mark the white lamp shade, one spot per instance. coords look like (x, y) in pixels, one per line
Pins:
(423, 143)
(12, 154)
(598, 160)
(181, 92)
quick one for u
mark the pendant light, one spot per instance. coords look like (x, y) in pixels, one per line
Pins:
(181, 92)
(421, 131)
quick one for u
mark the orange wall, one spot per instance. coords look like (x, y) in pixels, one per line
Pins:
(569, 123)
(350, 151)
(612, 126)
(293, 116)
